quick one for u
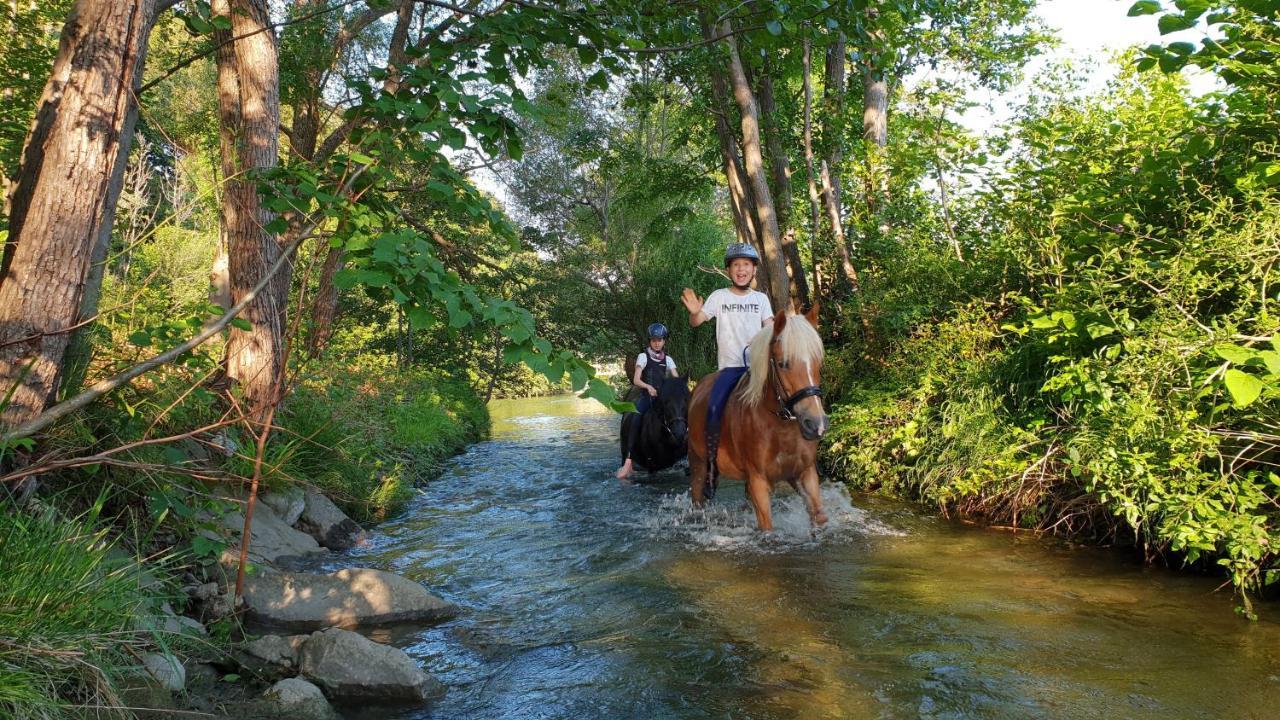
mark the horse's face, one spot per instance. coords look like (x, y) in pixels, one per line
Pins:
(673, 397)
(800, 379)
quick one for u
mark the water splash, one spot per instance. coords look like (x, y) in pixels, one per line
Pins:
(729, 523)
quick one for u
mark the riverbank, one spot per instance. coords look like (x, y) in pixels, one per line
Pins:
(122, 598)
(973, 417)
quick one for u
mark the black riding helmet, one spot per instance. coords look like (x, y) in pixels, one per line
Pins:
(658, 331)
(740, 250)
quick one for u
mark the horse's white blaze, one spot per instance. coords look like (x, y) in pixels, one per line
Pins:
(810, 382)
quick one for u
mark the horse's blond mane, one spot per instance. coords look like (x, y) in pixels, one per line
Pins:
(800, 343)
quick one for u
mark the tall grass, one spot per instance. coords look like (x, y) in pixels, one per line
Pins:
(67, 611)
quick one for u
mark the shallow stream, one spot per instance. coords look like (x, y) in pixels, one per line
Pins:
(584, 598)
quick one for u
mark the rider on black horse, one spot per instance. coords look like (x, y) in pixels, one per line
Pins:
(652, 367)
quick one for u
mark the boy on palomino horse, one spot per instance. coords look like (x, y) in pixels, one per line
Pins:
(739, 313)
(652, 366)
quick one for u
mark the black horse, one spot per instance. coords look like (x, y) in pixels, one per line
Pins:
(664, 428)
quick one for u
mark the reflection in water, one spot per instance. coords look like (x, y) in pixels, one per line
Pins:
(584, 598)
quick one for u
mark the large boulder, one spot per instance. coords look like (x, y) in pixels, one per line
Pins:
(327, 524)
(346, 598)
(349, 666)
(287, 503)
(295, 697)
(270, 541)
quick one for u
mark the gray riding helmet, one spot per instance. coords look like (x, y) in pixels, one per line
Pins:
(740, 250)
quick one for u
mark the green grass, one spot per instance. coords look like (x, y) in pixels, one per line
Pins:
(368, 443)
(67, 611)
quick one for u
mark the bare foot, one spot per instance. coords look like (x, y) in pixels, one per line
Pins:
(624, 471)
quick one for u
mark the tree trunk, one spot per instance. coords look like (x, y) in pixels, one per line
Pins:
(829, 192)
(740, 200)
(815, 211)
(781, 166)
(63, 202)
(255, 357)
(833, 100)
(324, 309)
(774, 262)
(229, 129)
(875, 107)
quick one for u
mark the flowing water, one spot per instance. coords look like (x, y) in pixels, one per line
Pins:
(585, 598)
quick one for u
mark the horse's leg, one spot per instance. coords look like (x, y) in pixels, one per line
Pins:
(697, 479)
(758, 493)
(812, 496)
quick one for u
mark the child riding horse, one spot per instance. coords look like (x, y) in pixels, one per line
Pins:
(658, 439)
(772, 424)
(653, 366)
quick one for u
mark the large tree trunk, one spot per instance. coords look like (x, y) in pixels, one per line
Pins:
(255, 357)
(875, 107)
(774, 262)
(781, 166)
(64, 199)
(229, 129)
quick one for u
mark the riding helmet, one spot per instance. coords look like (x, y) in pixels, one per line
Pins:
(658, 331)
(740, 250)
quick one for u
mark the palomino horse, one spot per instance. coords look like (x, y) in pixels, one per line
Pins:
(664, 428)
(773, 420)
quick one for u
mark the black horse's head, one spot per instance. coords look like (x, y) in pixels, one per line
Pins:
(673, 403)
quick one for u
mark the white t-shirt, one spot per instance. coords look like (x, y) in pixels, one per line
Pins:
(738, 319)
(642, 360)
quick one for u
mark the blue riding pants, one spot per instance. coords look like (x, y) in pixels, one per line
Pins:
(725, 382)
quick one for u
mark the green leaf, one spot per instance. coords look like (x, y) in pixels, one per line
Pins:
(241, 324)
(1272, 361)
(373, 278)
(1174, 23)
(459, 318)
(1235, 354)
(1144, 7)
(419, 317)
(141, 338)
(587, 54)
(598, 80)
(600, 391)
(198, 25)
(1244, 388)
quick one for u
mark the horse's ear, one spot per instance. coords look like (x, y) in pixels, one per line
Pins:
(812, 315)
(779, 322)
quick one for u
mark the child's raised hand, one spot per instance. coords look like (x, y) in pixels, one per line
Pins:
(691, 301)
